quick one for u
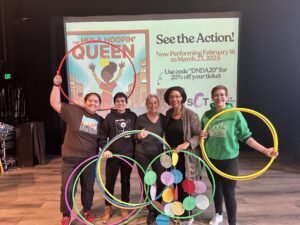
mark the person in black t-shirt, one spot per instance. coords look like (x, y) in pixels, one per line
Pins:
(81, 142)
(148, 147)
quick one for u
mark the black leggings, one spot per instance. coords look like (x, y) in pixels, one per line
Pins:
(113, 165)
(144, 160)
(87, 180)
(225, 188)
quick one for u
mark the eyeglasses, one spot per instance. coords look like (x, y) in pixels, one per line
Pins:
(219, 95)
(174, 97)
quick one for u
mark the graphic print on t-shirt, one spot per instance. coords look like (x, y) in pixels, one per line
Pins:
(218, 129)
(88, 125)
(122, 125)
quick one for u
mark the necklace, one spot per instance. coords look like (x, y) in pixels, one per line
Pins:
(177, 115)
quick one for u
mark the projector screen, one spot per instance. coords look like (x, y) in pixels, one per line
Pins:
(146, 54)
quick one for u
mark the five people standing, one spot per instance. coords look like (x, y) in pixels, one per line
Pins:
(86, 131)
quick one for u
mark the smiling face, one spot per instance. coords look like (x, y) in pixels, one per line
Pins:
(120, 104)
(152, 104)
(92, 103)
(175, 99)
(220, 98)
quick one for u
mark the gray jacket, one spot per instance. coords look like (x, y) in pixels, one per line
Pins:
(191, 133)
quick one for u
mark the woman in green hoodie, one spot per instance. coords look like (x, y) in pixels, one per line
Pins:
(222, 148)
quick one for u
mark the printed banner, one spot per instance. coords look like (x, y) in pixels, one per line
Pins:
(195, 53)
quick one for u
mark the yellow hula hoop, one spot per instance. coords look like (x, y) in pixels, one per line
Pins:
(107, 199)
(250, 176)
(129, 205)
(116, 199)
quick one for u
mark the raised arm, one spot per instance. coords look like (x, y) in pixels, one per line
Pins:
(121, 65)
(92, 68)
(55, 94)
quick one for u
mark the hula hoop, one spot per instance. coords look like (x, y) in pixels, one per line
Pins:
(67, 186)
(125, 220)
(102, 190)
(253, 175)
(122, 204)
(94, 41)
(213, 186)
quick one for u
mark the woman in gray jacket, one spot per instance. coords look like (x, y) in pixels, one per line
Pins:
(182, 129)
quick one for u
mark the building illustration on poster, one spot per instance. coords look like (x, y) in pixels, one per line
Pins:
(141, 90)
(76, 90)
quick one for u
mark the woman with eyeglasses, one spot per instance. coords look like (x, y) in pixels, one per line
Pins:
(222, 148)
(182, 130)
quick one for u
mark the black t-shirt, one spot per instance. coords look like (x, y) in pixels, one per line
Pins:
(174, 132)
(83, 131)
(150, 145)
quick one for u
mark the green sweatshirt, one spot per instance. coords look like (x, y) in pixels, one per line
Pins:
(224, 133)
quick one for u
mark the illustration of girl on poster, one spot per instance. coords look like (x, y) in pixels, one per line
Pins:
(107, 85)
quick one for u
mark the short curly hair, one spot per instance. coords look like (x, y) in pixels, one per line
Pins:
(175, 88)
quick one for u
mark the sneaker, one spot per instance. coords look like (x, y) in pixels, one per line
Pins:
(65, 220)
(88, 215)
(151, 217)
(106, 214)
(216, 220)
(123, 213)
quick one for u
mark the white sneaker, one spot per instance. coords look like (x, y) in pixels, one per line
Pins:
(216, 220)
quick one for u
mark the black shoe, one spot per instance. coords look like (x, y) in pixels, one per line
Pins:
(151, 217)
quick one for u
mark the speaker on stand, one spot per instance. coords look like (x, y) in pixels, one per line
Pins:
(24, 144)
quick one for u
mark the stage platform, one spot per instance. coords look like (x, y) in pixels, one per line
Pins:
(30, 195)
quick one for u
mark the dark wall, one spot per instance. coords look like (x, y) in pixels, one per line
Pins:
(268, 67)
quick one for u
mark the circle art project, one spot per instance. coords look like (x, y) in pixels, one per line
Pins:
(171, 206)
